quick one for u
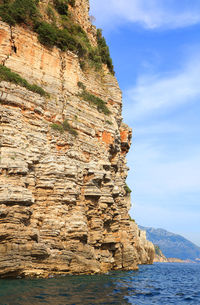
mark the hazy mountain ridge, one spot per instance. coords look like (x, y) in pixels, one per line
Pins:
(172, 245)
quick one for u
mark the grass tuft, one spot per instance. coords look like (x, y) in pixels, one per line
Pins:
(57, 127)
(7, 75)
(127, 189)
(65, 126)
(101, 105)
(81, 85)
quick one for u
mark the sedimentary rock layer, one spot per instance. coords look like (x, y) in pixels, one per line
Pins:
(63, 202)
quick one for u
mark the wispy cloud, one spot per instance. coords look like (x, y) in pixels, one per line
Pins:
(165, 168)
(157, 174)
(162, 188)
(160, 128)
(165, 155)
(150, 14)
(158, 93)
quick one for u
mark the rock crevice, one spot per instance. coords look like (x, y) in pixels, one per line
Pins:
(12, 48)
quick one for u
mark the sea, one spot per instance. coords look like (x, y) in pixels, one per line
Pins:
(160, 283)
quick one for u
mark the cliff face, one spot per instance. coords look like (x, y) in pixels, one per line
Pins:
(63, 202)
(145, 248)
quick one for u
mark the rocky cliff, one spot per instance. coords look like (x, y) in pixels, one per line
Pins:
(63, 198)
(145, 248)
(161, 258)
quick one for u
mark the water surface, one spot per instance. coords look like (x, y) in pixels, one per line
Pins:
(157, 284)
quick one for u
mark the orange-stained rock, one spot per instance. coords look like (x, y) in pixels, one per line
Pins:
(107, 137)
(124, 135)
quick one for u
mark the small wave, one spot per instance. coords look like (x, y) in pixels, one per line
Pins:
(154, 285)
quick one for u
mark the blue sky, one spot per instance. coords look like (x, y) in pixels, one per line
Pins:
(155, 47)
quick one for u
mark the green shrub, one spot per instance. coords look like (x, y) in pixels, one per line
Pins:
(82, 65)
(127, 189)
(101, 105)
(70, 37)
(81, 85)
(95, 58)
(7, 75)
(65, 41)
(50, 35)
(6, 14)
(24, 10)
(37, 89)
(72, 2)
(65, 126)
(131, 219)
(50, 13)
(81, 49)
(104, 51)
(47, 34)
(61, 6)
(109, 122)
(18, 11)
(158, 250)
(82, 43)
(57, 127)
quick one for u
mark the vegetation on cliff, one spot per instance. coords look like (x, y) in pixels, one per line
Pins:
(127, 189)
(7, 75)
(104, 50)
(157, 250)
(87, 96)
(65, 126)
(19, 11)
(60, 30)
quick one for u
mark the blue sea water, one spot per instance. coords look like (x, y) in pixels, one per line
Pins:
(157, 284)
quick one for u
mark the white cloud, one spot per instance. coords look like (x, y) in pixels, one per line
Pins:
(165, 166)
(160, 167)
(157, 175)
(160, 128)
(165, 192)
(150, 14)
(158, 93)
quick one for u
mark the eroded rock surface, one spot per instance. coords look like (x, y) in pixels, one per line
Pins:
(63, 203)
(145, 248)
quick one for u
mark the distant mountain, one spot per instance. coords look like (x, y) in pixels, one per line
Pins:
(172, 245)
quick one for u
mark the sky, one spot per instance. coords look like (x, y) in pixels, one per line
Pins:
(155, 47)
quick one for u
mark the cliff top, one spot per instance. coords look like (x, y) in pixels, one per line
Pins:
(61, 23)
